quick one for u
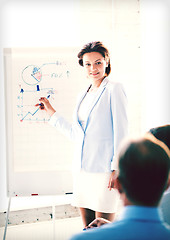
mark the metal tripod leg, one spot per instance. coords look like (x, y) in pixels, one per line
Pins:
(7, 215)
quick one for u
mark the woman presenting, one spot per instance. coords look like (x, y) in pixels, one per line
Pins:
(99, 125)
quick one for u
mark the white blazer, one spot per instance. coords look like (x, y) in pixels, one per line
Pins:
(106, 126)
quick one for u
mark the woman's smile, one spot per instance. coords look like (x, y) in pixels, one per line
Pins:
(94, 74)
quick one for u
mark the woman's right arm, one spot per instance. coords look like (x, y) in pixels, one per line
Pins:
(56, 120)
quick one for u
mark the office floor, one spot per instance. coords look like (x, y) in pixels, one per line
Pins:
(64, 228)
(60, 229)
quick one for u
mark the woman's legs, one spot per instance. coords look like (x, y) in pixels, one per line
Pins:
(87, 215)
(108, 216)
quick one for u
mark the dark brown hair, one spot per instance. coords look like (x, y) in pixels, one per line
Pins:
(95, 47)
(144, 167)
(162, 133)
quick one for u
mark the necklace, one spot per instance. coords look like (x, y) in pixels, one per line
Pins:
(92, 89)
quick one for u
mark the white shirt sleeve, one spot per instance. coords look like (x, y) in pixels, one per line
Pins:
(61, 125)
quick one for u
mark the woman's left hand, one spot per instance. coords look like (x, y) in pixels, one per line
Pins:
(112, 182)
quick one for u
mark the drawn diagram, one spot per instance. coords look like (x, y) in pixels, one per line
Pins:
(35, 150)
(31, 75)
(36, 82)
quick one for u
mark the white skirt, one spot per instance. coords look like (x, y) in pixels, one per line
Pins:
(90, 190)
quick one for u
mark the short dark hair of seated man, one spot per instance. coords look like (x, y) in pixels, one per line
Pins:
(143, 176)
(144, 167)
(162, 133)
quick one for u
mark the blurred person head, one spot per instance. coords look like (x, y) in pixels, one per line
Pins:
(162, 133)
(144, 167)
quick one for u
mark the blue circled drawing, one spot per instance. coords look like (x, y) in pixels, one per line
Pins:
(31, 75)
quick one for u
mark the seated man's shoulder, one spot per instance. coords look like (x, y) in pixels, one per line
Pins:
(99, 233)
(121, 229)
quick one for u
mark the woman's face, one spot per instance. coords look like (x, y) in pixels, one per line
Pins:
(95, 65)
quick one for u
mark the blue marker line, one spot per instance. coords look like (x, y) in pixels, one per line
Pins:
(35, 78)
(32, 114)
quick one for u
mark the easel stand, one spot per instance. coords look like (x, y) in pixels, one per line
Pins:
(7, 217)
(53, 209)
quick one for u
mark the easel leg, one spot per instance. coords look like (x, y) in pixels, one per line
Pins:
(53, 208)
(7, 216)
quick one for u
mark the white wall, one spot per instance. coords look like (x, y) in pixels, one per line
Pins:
(126, 65)
(155, 49)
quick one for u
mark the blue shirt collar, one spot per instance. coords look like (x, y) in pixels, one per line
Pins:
(141, 213)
